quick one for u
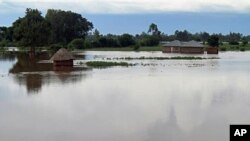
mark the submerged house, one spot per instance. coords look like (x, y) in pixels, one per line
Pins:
(62, 58)
(212, 50)
(177, 46)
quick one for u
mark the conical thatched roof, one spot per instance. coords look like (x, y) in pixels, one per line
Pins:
(61, 55)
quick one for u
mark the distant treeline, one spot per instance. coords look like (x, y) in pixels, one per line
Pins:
(60, 28)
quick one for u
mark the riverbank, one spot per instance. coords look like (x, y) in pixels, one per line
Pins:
(225, 47)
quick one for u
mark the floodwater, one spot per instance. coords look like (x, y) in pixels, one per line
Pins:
(156, 100)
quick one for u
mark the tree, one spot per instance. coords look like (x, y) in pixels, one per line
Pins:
(31, 30)
(76, 43)
(244, 41)
(213, 41)
(66, 26)
(234, 38)
(126, 40)
(183, 35)
(153, 29)
(204, 36)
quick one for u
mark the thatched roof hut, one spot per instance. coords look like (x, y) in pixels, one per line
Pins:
(62, 58)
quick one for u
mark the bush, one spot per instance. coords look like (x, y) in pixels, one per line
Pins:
(242, 49)
(213, 41)
(126, 40)
(87, 44)
(233, 43)
(244, 42)
(223, 49)
(76, 44)
(6, 43)
(2, 49)
(55, 47)
(136, 47)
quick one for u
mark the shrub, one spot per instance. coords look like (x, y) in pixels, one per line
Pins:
(136, 47)
(223, 49)
(233, 43)
(100, 64)
(126, 40)
(242, 49)
(2, 49)
(55, 47)
(213, 41)
(76, 43)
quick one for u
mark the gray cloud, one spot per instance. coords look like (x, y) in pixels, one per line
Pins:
(130, 6)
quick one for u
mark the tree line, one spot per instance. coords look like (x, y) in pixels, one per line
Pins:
(60, 28)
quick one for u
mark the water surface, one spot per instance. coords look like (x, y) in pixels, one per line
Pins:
(158, 100)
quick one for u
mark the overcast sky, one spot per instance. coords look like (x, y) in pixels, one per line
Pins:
(131, 6)
(138, 11)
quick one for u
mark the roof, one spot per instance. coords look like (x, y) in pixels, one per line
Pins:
(61, 55)
(177, 43)
(193, 44)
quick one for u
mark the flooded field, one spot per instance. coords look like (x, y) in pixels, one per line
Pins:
(155, 100)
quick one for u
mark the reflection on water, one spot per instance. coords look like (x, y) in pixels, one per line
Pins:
(174, 100)
(29, 72)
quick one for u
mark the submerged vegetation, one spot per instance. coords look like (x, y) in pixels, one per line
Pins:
(163, 58)
(99, 64)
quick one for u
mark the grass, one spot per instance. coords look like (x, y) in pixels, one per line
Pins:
(101, 64)
(227, 47)
(163, 58)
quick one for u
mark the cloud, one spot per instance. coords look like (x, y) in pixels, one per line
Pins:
(129, 6)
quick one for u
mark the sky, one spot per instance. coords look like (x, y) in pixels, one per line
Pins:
(134, 16)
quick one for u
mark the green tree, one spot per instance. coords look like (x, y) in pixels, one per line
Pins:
(234, 38)
(6, 34)
(32, 30)
(204, 36)
(66, 26)
(213, 41)
(244, 41)
(126, 40)
(153, 29)
(76, 43)
(183, 35)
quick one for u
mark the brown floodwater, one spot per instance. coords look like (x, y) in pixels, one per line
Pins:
(156, 100)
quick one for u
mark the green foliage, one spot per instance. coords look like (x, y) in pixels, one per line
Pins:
(142, 48)
(6, 43)
(148, 40)
(223, 48)
(244, 41)
(164, 58)
(55, 47)
(2, 49)
(66, 26)
(153, 29)
(31, 30)
(126, 40)
(183, 35)
(242, 49)
(136, 47)
(234, 38)
(100, 64)
(6, 33)
(108, 41)
(204, 36)
(213, 41)
(87, 44)
(76, 44)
